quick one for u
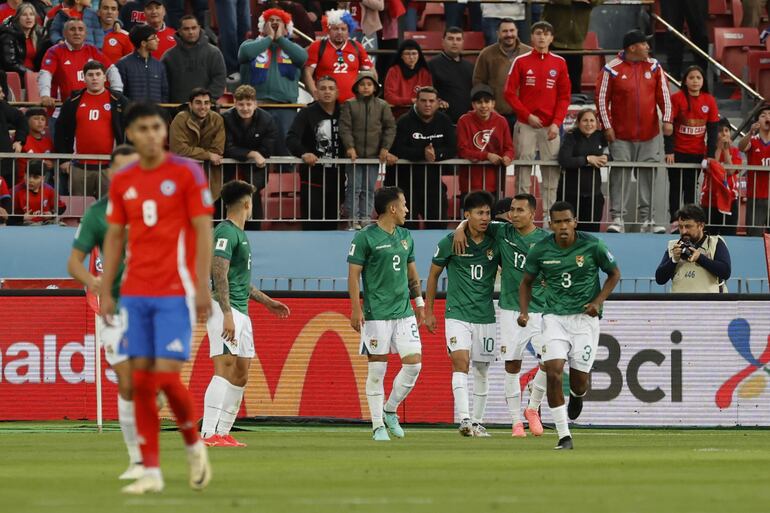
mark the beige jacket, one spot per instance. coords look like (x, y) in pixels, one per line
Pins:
(188, 139)
(492, 67)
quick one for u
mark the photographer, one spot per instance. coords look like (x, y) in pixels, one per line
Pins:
(697, 262)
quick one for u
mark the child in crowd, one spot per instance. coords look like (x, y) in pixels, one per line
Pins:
(35, 202)
(718, 223)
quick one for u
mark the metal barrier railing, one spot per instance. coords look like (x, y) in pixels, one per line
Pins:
(338, 193)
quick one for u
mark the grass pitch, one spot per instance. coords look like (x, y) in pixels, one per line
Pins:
(52, 468)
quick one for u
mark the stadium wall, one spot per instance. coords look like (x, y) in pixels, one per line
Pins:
(42, 251)
(693, 361)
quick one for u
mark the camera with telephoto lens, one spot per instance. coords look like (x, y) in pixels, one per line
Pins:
(688, 248)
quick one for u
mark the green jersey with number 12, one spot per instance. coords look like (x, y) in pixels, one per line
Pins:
(571, 274)
(471, 279)
(384, 257)
(231, 243)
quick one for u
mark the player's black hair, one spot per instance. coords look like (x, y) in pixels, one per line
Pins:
(198, 91)
(478, 199)
(36, 111)
(234, 191)
(691, 212)
(123, 149)
(384, 197)
(452, 30)
(529, 199)
(35, 167)
(142, 110)
(92, 65)
(561, 206)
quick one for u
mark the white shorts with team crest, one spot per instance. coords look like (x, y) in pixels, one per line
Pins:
(400, 336)
(112, 336)
(242, 346)
(574, 338)
(479, 339)
(514, 338)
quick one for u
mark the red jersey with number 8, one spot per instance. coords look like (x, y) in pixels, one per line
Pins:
(157, 205)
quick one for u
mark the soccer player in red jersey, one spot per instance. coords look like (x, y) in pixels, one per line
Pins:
(756, 146)
(63, 63)
(116, 43)
(162, 206)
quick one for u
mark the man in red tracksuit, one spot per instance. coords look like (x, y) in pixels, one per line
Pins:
(628, 93)
(483, 135)
(538, 89)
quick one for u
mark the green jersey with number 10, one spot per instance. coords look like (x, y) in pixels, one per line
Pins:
(471, 279)
(571, 274)
(231, 243)
(384, 257)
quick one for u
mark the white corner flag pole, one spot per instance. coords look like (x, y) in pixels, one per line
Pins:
(98, 370)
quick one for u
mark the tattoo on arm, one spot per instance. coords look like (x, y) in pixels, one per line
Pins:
(219, 268)
(258, 296)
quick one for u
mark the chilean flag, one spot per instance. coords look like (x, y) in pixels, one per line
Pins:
(716, 188)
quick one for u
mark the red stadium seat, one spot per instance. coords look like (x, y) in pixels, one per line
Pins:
(474, 41)
(281, 200)
(737, 12)
(30, 84)
(592, 64)
(14, 86)
(432, 19)
(426, 40)
(720, 15)
(731, 47)
(759, 71)
(76, 207)
(452, 183)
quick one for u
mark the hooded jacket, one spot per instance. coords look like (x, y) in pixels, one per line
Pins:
(477, 138)
(13, 46)
(200, 65)
(188, 139)
(401, 83)
(367, 123)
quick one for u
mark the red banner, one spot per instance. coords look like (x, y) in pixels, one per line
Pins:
(307, 365)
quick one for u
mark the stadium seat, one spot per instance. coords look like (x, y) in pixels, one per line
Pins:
(426, 40)
(592, 64)
(452, 183)
(720, 15)
(737, 12)
(76, 207)
(474, 40)
(759, 71)
(432, 19)
(14, 86)
(731, 47)
(281, 200)
(30, 84)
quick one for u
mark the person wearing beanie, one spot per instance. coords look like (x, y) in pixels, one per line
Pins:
(406, 76)
(144, 76)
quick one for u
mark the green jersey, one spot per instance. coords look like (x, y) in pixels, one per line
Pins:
(471, 278)
(231, 243)
(384, 257)
(513, 248)
(90, 235)
(571, 274)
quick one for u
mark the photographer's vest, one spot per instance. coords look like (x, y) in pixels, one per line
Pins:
(691, 277)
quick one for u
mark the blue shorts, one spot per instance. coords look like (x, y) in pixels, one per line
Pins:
(158, 327)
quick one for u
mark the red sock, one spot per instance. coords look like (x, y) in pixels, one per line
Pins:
(181, 402)
(147, 421)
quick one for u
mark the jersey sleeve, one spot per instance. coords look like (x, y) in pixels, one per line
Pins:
(225, 241)
(713, 110)
(85, 236)
(533, 260)
(410, 256)
(50, 62)
(116, 209)
(198, 196)
(359, 249)
(604, 259)
(312, 54)
(494, 228)
(443, 251)
(364, 61)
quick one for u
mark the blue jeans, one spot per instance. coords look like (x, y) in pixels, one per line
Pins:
(283, 119)
(234, 19)
(360, 180)
(454, 12)
(410, 19)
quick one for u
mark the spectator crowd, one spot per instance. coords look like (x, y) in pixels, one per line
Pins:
(509, 103)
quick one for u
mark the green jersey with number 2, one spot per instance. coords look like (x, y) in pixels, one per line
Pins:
(231, 243)
(571, 274)
(514, 247)
(471, 278)
(384, 257)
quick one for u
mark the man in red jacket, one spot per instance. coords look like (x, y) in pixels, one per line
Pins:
(538, 89)
(628, 93)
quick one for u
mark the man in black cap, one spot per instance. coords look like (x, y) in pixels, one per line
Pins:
(628, 93)
(144, 76)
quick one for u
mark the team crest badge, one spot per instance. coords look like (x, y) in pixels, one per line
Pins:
(647, 75)
(405, 244)
(351, 57)
(373, 343)
(580, 260)
(705, 109)
(490, 254)
(107, 107)
(452, 340)
(167, 187)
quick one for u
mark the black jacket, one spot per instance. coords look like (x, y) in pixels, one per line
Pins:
(413, 135)
(315, 131)
(143, 80)
(11, 118)
(580, 176)
(259, 135)
(453, 81)
(64, 135)
(13, 46)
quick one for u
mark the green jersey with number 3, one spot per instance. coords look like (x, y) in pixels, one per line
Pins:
(384, 257)
(513, 248)
(231, 243)
(571, 274)
(471, 279)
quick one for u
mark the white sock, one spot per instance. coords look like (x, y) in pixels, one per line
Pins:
(577, 395)
(127, 420)
(513, 396)
(230, 408)
(153, 472)
(402, 385)
(539, 383)
(559, 415)
(212, 405)
(375, 391)
(480, 390)
(460, 392)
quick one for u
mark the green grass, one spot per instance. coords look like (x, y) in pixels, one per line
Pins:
(339, 469)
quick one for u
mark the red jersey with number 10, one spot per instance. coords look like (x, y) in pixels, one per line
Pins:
(758, 182)
(93, 125)
(66, 67)
(157, 205)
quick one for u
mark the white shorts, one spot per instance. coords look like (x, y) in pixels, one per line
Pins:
(242, 346)
(479, 339)
(112, 336)
(400, 336)
(574, 338)
(514, 338)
